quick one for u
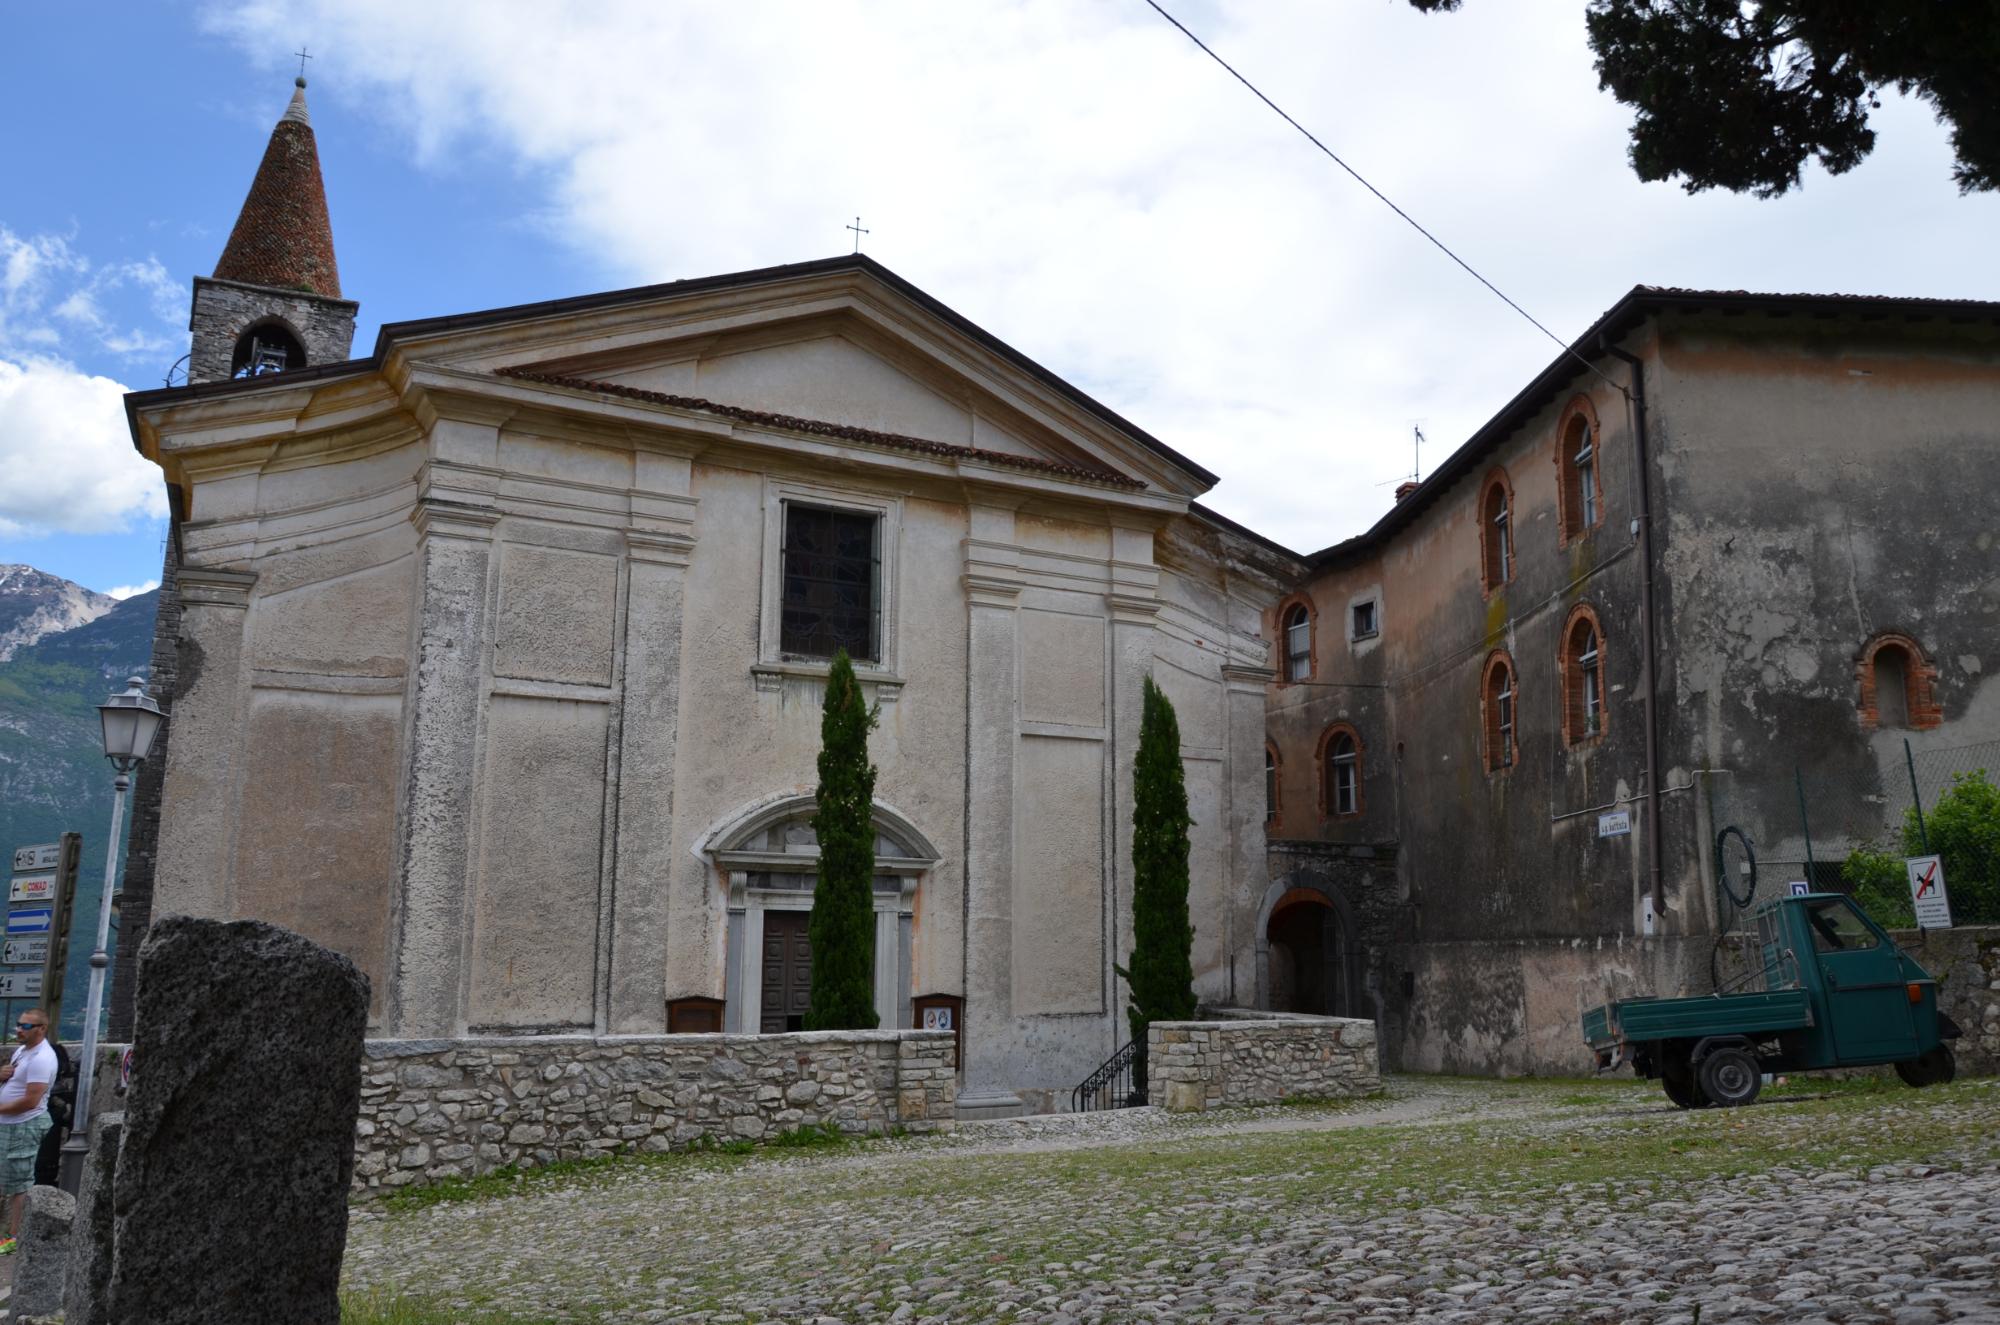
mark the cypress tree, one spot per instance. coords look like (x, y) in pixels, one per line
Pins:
(842, 930)
(1161, 977)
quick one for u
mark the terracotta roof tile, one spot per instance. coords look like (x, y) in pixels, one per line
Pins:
(821, 428)
(283, 237)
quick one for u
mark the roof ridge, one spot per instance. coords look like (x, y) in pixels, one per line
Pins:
(824, 427)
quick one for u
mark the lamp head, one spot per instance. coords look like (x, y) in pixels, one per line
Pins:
(131, 724)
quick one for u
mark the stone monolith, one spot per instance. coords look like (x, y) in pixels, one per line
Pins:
(86, 1293)
(43, 1253)
(230, 1202)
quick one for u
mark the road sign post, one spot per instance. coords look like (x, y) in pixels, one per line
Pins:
(55, 957)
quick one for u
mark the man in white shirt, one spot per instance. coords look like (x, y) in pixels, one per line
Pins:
(24, 1114)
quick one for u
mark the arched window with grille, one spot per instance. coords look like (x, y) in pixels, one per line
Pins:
(1579, 462)
(1499, 712)
(1496, 531)
(1582, 664)
(1295, 639)
(1340, 756)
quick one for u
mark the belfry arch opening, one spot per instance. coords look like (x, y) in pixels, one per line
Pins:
(267, 347)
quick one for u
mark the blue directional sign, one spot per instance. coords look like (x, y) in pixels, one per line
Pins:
(31, 920)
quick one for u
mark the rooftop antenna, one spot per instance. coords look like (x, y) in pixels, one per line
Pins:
(1416, 474)
(858, 232)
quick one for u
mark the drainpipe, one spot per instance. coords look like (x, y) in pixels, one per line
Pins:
(1648, 623)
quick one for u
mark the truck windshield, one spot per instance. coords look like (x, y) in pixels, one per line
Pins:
(1835, 927)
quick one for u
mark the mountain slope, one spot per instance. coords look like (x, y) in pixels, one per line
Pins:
(53, 774)
(35, 604)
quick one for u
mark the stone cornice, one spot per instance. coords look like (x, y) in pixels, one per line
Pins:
(215, 588)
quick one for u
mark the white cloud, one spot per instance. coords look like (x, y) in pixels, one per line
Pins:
(124, 591)
(66, 459)
(53, 299)
(1084, 183)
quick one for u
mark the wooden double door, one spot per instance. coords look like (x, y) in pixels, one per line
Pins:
(787, 971)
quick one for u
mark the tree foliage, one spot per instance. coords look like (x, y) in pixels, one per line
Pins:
(1740, 94)
(842, 929)
(1161, 976)
(1964, 832)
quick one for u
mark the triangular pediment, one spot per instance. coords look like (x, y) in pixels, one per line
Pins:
(840, 343)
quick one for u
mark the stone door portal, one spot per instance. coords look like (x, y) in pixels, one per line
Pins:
(787, 971)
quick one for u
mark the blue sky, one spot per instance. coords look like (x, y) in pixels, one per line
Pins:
(1076, 178)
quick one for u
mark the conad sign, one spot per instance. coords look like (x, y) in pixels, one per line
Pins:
(33, 888)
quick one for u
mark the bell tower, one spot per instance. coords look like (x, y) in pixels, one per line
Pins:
(274, 301)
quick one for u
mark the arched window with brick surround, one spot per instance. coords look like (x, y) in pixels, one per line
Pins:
(1496, 531)
(1582, 663)
(1898, 685)
(1578, 463)
(1296, 645)
(1273, 793)
(1340, 771)
(1498, 712)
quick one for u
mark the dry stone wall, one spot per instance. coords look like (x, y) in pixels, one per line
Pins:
(1197, 1065)
(448, 1108)
(1966, 964)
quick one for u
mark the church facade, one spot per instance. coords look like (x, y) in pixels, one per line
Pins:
(500, 650)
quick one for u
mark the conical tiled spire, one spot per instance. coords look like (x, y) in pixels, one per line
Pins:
(283, 238)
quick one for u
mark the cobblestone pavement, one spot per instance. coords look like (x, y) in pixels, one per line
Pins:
(1448, 1201)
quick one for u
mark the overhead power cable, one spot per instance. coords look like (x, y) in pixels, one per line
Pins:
(1334, 157)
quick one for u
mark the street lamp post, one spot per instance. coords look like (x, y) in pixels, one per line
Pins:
(131, 723)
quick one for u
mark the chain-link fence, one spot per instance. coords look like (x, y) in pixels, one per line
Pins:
(1860, 823)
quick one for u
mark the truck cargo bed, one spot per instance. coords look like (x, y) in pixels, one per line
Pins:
(1643, 1019)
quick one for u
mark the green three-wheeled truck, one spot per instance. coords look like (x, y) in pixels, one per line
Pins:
(1837, 992)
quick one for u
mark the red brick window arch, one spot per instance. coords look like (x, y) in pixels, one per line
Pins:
(1340, 771)
(1898, 685)
(1499, 712)
(1496, 531)
(1297, 639)
(1274, 803)
(1581, 661)
(1579, 465)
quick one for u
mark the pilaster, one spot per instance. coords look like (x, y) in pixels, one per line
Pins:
(1244, 689)
(447, 695)
(992, 590)
(197, 840)
(657, 559)
(1134, 603)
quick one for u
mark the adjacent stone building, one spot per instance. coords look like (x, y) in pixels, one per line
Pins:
(500, 650)
(1485, 815)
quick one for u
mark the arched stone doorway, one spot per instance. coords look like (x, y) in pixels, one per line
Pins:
(769, 858)
(1308, 954)
(1303, 938)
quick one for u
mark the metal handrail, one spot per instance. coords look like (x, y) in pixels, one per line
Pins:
(1112, 1085)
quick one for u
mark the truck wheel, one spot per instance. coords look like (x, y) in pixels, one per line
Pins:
(1730, 1077)
(1681, 1090)
(1934, 1068)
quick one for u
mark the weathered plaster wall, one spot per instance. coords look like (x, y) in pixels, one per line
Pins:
(1192, 1066)
(432, 1110)
(1469, 887)
(1815, 482)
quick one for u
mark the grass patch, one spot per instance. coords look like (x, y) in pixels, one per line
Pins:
(375, 1307)
(810, 1136)
(507, 1180)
